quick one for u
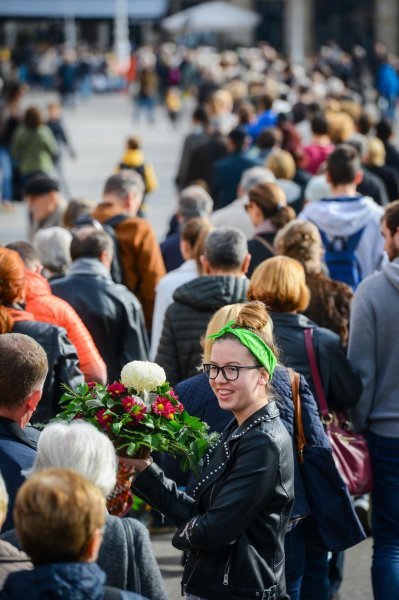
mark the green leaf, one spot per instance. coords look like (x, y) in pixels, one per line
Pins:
(94, 403)
(116, 428)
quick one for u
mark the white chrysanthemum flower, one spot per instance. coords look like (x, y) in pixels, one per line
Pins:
(143, 376)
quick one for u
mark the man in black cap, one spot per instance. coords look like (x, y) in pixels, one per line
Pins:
(46, 205)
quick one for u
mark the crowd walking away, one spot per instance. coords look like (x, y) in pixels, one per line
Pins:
(270, 306)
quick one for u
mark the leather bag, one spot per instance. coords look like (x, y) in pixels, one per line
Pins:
(350, 449)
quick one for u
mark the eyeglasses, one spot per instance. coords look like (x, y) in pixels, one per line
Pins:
(229, 372)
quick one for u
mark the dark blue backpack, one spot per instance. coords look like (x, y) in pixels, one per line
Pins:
(340, 258)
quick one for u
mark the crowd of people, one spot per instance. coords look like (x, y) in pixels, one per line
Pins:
(273, 294)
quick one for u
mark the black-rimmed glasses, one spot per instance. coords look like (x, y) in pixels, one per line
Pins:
(229, 372)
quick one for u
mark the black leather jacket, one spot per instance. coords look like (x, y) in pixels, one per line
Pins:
(233, 526)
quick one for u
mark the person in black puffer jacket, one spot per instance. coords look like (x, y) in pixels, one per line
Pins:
(61, 354)
(225, 263)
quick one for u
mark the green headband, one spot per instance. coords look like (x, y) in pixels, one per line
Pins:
(253, 342)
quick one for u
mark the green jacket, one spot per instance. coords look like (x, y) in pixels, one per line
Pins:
(34, 149)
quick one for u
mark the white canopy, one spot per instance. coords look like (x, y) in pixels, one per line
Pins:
(211, 17)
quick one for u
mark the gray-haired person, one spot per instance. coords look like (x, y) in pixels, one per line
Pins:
(194, 201)
(235, 215)
(126, 554)
(225, 262)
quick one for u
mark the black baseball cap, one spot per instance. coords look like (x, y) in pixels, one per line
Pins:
(41, 184)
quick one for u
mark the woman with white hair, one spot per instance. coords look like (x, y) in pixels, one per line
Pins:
(126, 554)
(11, 559)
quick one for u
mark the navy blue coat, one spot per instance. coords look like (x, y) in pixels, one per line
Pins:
(17, 452)
(198, 399)
(59, 581)
(227, 173)
(171, 253)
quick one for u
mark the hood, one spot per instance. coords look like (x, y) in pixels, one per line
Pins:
(36, 285)
(209, 293)
(133, 158)
(391, 272)
(63, 581)
(105, 211)
(89, 266)
(343, 216)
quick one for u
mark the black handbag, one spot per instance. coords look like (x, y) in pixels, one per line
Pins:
(333, 524)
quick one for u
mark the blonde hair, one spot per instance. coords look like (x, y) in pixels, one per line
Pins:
(341, 127)
(280, 283)
(221, 101)
(252, 316)
(3, 499)
(57, 513)
(281, 164)
(301, 240)
(376, 152)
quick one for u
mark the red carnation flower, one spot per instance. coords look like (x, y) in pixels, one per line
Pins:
(137, 410)
(116, 389)
(104, 420)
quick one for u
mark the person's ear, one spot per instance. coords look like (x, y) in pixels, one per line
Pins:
(93, 547)
(263, 378)
(245, 264)
(359, 177)
(205, 264)
(33, 400)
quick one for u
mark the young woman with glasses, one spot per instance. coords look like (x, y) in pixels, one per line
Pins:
(233, 523)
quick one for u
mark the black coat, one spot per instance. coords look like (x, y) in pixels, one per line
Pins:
(111, 313)
(186, 320)
(342, 385)
(234, 523)
(259, 251)
(63, 365)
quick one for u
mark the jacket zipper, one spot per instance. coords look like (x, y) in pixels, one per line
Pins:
(227, 571)
(191, 574)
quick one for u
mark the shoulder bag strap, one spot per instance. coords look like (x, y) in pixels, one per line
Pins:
(265, 243)
(299, 432)
(320, 396)
(133, 578)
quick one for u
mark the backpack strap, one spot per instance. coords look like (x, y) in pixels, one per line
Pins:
(266, 244)
(349, 243)
(301, 442)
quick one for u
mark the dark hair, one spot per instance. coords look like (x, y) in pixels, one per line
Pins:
(364, 123)
(27, 252)
(238, 137)
(90, 242)
(77, 207)
(266, 100)
(343, 165)
(271, 200)
(384, 130)
(391, 216)
(319, 125)
(268, 138)
(23, 368)
(133, 142)
(200, 116)
(32, 118)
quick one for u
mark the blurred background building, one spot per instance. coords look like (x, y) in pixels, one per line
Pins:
(294, 26)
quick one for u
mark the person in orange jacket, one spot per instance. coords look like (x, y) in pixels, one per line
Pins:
(41, 302)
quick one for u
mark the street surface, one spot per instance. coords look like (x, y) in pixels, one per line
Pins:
(98, 131)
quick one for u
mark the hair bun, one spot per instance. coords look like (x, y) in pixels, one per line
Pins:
(253, 316)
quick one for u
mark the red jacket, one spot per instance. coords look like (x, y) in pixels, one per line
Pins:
(50, 309)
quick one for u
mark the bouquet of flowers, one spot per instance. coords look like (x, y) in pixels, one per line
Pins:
(140, 413)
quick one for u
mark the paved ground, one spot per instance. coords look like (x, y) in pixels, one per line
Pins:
(98, 131)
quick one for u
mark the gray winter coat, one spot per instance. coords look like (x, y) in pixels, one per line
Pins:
(374, 351)
(186, 320)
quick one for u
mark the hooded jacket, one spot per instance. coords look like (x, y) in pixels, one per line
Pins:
(345, 216)
(11, 560)
(110, 312)
(186, 320)
(139, 254)
(374, 351)
(50, 309)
